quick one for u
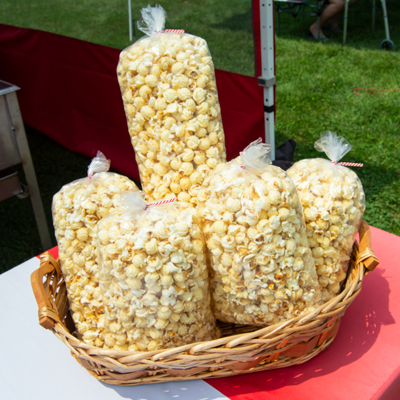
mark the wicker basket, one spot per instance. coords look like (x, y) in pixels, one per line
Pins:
(241, 350)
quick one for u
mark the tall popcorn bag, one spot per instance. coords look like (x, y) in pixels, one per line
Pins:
(333, 200)
(262, 269)
(77, 208)
(171, 103)
(153, 275)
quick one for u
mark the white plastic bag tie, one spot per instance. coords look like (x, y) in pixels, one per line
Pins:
(254, 156)
(134, 201)
(98, 164)
(335, 147)
(153, 21)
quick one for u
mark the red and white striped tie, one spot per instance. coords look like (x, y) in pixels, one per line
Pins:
(173, 31)
(158, 203)
(348, 164)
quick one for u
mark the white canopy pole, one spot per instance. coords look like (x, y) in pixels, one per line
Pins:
(268, 79)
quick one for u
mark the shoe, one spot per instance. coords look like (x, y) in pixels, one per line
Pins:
(311, 36)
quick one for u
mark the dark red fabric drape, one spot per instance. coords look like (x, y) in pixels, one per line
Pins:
(69, 91)
(256, 36)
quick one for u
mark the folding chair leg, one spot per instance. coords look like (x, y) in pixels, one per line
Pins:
(385, 19)
(345, 19)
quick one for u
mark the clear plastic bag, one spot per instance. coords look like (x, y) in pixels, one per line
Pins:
(333, 202)
(154, 276)
(171, 103)
(76, 209)
(263, 271)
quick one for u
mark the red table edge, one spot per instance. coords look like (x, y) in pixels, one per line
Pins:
(53, 251)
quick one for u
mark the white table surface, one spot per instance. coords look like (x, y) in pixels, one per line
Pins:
(35, 364)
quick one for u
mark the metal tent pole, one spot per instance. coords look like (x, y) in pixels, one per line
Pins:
(268, 79)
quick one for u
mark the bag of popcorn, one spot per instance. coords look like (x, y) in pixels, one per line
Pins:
(333, 202)
(171, 103)
(263, 272)
(154, 276)
(77, 208)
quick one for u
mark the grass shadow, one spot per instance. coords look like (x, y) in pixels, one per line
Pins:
(239, 22)
(359, 32)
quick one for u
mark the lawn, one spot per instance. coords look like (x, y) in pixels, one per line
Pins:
(314, 92)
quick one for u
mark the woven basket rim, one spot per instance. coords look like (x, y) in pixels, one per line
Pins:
(259, 349)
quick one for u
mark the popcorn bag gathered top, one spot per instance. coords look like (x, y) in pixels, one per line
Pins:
(154, 276)
(77, 208)
(263, 272)
(334, 202)
(171, 103)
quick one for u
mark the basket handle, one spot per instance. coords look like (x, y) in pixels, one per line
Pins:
(48, 313)
(366, 254)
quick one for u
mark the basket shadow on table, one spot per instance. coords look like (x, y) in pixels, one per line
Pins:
(165, 390)
(360, 327)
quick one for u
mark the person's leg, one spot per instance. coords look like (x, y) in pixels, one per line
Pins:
(334, 8)
(334, 21)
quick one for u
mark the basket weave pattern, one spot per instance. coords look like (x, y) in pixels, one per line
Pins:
(241, 349)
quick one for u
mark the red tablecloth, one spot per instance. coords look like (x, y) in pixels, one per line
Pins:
(363, 362)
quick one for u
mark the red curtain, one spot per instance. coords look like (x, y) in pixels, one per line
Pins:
(256, 36)
(69, 91)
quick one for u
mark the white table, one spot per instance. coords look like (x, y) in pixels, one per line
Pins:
(363, 362)
(36, 365)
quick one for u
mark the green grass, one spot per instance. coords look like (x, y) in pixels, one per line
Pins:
(314, 92)
(308, 106)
